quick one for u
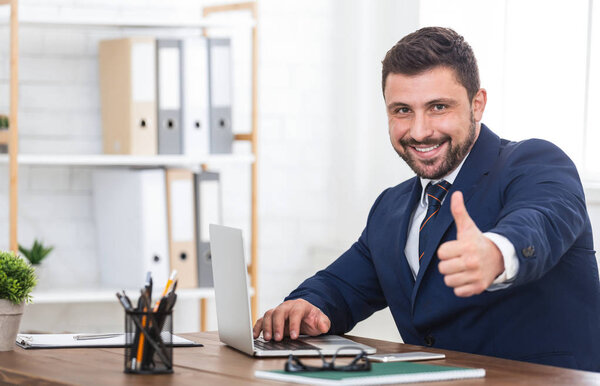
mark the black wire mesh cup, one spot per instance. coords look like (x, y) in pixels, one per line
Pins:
(148, 342)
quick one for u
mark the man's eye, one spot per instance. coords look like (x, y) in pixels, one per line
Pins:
(439, 107)
(402, 110)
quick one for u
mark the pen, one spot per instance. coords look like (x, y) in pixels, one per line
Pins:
(167, 287)
(170, 282)
(148, 286)
(140, 350)
(125, 302)
(95, 336)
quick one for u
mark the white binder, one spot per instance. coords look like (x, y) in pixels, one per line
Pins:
(196, 125)
(221, 132)
(130, 209)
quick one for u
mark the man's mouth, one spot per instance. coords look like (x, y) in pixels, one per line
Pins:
(426, 149)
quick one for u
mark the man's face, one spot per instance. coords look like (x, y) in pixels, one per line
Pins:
(432, 123)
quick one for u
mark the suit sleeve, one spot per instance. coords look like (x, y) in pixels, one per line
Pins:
(544, 212)
(348, 290)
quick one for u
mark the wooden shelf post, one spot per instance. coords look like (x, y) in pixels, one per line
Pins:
(13, 131)
(253, 138)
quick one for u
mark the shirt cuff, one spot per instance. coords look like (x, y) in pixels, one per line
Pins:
(511, 262)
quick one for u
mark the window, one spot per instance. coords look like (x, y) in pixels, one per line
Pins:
(533, 57)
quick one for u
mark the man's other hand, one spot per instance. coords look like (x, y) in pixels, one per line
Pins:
(471, 262)
(293, 317)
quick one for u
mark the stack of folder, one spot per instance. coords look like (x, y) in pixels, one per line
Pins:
(166, 96)
(155, 220)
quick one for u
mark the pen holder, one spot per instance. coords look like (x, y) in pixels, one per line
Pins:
(148, 342)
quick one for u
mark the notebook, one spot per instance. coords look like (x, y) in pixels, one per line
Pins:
(234, 320)
(380, 374)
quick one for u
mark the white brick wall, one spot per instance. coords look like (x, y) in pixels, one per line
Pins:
(312, 204)
(324, 151)
(60, 113)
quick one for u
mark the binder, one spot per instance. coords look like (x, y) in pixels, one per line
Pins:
(182, 226)
(128, 95)
(221, 133)
(170, 96)
(131, 226)
(208, 211)
(196, 125)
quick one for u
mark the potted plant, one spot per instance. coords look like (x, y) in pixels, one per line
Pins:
(35, 255)
(17, 279)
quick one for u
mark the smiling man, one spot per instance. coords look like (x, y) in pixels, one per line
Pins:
(487, 250)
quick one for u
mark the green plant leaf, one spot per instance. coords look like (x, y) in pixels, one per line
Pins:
(17, 278)
(37, 253)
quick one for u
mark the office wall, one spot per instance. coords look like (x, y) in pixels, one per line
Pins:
(324, 151)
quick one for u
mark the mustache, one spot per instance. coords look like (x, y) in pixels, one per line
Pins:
(429, 142)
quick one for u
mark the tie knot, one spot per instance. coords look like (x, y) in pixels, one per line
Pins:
(436, 192)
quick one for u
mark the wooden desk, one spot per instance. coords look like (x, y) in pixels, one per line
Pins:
(216, 364)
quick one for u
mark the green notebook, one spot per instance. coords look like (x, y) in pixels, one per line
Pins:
(381, 373)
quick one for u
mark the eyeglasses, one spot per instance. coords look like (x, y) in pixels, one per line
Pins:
(359, 362)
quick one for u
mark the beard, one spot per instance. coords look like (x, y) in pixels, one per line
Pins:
(454, 155)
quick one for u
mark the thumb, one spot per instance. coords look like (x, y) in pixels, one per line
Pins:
(463, 221)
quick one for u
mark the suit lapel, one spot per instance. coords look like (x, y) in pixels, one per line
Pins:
(478, 163)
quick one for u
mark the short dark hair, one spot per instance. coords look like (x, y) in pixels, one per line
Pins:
(430, 47)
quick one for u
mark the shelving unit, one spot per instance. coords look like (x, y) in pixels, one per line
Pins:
(129, 160)
(101, 160)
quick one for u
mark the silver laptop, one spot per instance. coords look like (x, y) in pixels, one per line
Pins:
(233, 304)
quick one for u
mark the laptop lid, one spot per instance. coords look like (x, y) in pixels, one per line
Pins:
(230, 277)
(234, 319)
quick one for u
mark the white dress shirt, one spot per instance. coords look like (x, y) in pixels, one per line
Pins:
(411, 250)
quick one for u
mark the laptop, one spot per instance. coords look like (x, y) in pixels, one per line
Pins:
(233, 305)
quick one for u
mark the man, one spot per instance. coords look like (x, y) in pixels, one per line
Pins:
(502, 265)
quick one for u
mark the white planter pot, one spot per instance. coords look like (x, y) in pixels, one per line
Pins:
(10, 318)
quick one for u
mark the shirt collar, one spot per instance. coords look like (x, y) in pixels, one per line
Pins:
(450, 178)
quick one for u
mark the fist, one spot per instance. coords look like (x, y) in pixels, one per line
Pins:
(472, 261)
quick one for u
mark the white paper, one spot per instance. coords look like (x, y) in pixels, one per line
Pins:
(68, 340)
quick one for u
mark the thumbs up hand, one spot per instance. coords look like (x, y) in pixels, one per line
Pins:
(472, 261)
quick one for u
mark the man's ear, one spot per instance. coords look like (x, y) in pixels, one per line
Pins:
(478, 104)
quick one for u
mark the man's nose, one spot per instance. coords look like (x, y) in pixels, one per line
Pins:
(420, 129)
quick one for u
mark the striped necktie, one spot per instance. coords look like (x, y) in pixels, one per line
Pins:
(435, 195)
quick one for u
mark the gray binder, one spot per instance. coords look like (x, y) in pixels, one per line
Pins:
(208, 211)
(220, 90)
(169, 95)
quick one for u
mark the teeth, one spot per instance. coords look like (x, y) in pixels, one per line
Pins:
(423, 150)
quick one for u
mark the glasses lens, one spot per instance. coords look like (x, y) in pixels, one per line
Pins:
(345, 359)
(295, 363)
(351, 358)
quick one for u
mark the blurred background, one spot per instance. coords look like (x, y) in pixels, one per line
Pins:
(324, 153)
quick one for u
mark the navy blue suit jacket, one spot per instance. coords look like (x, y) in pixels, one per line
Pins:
(527, 191)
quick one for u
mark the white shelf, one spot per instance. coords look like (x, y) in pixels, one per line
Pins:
(108, 295)
(128, 160)
(91, 18)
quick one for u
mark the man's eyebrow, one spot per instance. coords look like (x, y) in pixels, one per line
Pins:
(397, 104)
(441, 101)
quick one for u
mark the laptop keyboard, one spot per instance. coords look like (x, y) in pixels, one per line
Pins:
(285, 344)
